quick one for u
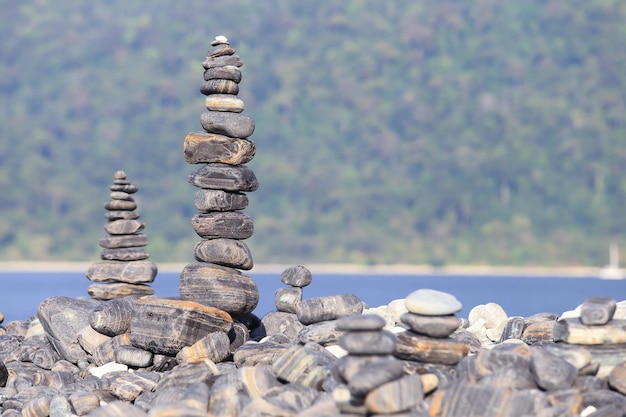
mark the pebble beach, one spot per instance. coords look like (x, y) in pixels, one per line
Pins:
(122, 351)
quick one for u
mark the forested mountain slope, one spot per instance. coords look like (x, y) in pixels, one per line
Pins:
(436, 131)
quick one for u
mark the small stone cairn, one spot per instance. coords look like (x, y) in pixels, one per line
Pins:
(224, 148)
(124, 269)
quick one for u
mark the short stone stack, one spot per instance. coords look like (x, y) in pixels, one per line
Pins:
(215, 280)
(124, 269)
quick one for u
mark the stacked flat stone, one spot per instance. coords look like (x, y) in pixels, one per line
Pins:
(372, 381)
(223, 148)
(430, 320)
(124, 269)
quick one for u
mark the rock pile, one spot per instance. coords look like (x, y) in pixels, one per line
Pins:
(223, 180)
(124, 269)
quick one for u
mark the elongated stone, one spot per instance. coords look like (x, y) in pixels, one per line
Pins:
(219, 200)
(186, 374)
(256, 381)
(573, 331)
(228, 72)
(287, 298)
(218, 176)
(414, 347)
(368, 342)
(550, 371)
(123, 227)
(219, 286)
(224, 102)
(37, 407)
(89, 339)
(105, 352)
(114, 290)
(121, 195)
(215, 347)
(121, 214)
(617, 378)
(323, 333)
(432, 303)
(254, 353)
(505, 355)
(112, 317)
(296, 276)
(302, 366)
(540, 332)
(328, 307)
(123, 241)
(62, 318)
(118, 408)
(220, 49)
(201, 147)
(395, 396)
(234, 125)
(222, 61)
(513, 329)
(361, 322)
(227, 252)
(60, 407)
(120, 205)
(433, 326)
(132, 356)
(278, 322)
(84, 402)
(597, 310)
(166, 326)
(124, 254)
(375, 374)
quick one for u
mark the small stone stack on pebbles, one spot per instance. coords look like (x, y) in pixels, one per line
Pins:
(124, 269)
(431, 320)
(224, 149)
(371, 380)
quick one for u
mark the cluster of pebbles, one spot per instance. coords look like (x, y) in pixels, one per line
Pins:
(223, 148)
(205, 352)
(124, 269)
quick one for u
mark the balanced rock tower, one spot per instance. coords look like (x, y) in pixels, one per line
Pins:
(124, 269)
(215, 280)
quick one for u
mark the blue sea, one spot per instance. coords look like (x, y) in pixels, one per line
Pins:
(22, 292)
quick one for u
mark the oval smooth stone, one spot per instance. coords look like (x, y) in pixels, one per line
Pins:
(219, 200)
(574, 332)
(617, 378)
(121, 205)
(219, 286)
(130, 272)
(375, 374)
(368, 342)
(234, 125)
(215, 347)
(123, 227)
(222, 61)
(124, 254)
(228, 252)
(227, 224)
(132, 356)
(433, 326)
(597, 310)
(220, 49)
(217, 86)
(361, 322)
(224, 102)
(550, 371)
(414, 347)
(121, 215)
(228, 72)
(202, 147)
(278, 322)
(432, 303)
(296, 276)
(329, 307)
(166, 326)
(225, 177)
(323, 333)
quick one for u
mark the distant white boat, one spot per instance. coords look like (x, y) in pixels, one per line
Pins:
(612, 270)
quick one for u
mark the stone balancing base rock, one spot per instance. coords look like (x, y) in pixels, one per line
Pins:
(215, 280)
(124, 269)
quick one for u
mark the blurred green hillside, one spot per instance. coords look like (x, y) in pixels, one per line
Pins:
(431, 131)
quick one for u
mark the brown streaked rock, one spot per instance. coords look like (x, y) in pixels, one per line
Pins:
(539, 332)
(215, 347)
(398, 395)
(201, 147)
(414, 347)
(224, 102)
(223, 224)
(303, 366)
(166, 326)
(105, 352)
(219, 86)
(218, 286)
(574, 332)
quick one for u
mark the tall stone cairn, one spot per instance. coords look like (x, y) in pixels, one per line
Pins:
(124, 269)
(215, 280)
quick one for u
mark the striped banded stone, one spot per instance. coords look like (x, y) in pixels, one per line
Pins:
(218, 176)
(328, 307)
(202, 147)
(219, 200)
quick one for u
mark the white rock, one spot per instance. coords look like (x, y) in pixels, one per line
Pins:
(221, 38)
(432, 303)
(336, 350)
(571, 313)
(107, 368)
